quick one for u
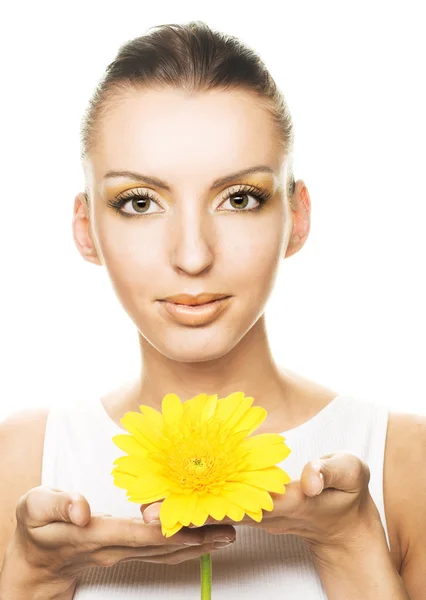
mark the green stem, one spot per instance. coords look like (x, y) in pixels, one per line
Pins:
(206, 577)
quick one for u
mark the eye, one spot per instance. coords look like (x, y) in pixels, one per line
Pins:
(240, 201)
(238, 198)
(140, 202)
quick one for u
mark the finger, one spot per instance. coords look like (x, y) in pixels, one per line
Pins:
(135, 532)
(172, 557)
(110, 555)
(104, 531)
(150, 514)
(312, 479)
(180, 556)
(341, 471)
(43, 505)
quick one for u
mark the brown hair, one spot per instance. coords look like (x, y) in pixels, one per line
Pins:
(193, 58)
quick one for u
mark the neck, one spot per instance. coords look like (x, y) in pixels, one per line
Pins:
(249, 367)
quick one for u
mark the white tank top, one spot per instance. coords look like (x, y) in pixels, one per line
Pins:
(79, 455)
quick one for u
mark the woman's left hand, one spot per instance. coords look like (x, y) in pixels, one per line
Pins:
(325, 513)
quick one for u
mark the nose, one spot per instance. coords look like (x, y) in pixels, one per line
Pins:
(191, 242)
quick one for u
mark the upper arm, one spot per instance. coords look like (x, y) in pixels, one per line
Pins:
(411, 484)
(21, 453)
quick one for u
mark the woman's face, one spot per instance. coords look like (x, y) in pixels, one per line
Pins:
(194, 235)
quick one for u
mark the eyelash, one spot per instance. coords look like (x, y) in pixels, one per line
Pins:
(262, 196)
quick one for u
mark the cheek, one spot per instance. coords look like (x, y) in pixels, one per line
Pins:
(252, 261)
(130, 259)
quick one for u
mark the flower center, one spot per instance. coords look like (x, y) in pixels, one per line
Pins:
(198, 469)
(201, 461)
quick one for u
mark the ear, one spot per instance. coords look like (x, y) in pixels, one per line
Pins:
(301, 212)
(81, 230)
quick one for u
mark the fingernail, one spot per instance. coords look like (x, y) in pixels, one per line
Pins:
(225, 539)
(154, 522)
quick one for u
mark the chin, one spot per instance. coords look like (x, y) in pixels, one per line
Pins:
(195, 346)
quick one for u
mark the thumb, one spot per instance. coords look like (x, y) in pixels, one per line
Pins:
(341, 471)
(43, 505)
(78, 509)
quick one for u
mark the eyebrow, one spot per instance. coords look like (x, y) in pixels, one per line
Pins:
(162, 184)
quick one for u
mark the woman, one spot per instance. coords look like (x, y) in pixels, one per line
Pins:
(190, 200)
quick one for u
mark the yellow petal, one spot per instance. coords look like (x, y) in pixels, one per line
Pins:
(265, 458)
(236, 513)
(149, 484)
(245, 505)
(130, 464)
(236, 437)
(264, 450)
(263, 439)
(152, 415)
(137, 466)
(251, 420)
(183, 506)
(129, 444)
(200, 514)
(172, 409)
(242, 407)
(188, 512)
(145, 499)
(215, 505)
(247, 497)
(272, 479)
(153, 464)
(174, 508)
(142, 429)
(256, 516)
(122, 480)
(194, 407)
(169, 531)
(209, 408)
(229, 406)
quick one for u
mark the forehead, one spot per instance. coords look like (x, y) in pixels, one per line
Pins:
(177, 136)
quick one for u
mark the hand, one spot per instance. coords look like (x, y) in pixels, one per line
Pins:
(343, 510)
(53, 543)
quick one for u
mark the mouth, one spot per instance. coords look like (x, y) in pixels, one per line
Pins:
(198, 314)
(194, 304)
(194, 300)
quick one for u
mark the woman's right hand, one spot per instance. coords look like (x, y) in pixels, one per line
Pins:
(57, 537)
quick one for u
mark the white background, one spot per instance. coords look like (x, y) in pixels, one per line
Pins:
(347, 310)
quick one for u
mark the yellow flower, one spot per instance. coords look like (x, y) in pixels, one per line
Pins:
(197, 456)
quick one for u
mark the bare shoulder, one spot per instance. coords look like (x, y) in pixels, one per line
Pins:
(21, 454)
(404, 484)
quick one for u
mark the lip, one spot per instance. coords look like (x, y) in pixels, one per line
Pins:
(195, 315)
(194, 299)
